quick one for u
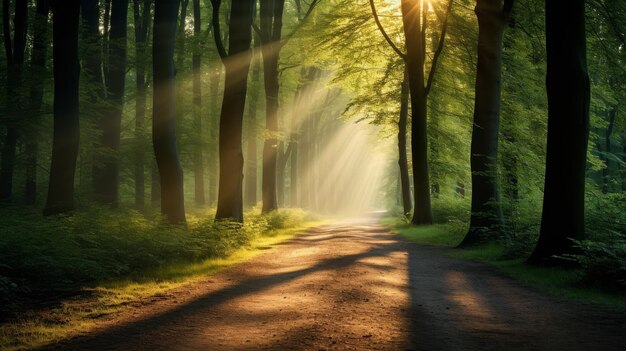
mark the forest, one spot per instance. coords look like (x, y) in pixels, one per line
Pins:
(277, 147)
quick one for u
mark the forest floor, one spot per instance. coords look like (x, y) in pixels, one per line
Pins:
(354, 285)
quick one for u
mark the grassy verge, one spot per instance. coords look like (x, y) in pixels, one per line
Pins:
(108, 262)
(559, 282)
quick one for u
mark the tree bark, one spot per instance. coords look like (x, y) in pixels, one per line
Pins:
(403, 162)
(66, 133)
(486, 219)
(567, 83)
(163, 120)
(237, 65)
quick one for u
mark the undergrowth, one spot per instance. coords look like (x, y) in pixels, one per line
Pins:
(602, 258)
(99, 245)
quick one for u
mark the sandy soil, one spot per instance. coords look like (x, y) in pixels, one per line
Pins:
(354, 285)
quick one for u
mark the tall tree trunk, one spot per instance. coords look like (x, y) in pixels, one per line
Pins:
(403, 162)
(38, 70)
(155, 186)
(237, 65)
(66, 123)
(419, 143)
(281, 161)
(606, 171)
(163, 120)
(15, 62)
(93, 63)
(567, 83)
(271, 17)
(212, 157)
(487, 220)
(251, 161)
(142, 24)
(106, 170)
(198, 170)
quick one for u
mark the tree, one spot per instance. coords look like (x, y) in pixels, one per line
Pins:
(403, 163)
(251, 160)
(163, 117)
(271, 15)
(414, 18)
(270, 33)
(237, 64)
(487, 220)
(106, 170)
(66, 123)
(198, 171)
(141, 14)
(567, 83)
(15, 59)
(38, 70)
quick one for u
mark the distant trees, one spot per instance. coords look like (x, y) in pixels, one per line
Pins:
(66, 132)
(14, 48)
(163, 123)
(567, 82)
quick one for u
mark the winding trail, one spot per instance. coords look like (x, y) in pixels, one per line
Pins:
(354, 285)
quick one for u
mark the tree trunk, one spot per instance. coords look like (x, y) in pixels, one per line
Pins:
(271, 16)
(155, 186)
(486, 220)
(237, 65)
(251, 161)
(419, 142)
(567, 83)
(198, 170)
(142, 23)
(15, 61)
(606, 171)
(38, 71)
(66, 122)
(281, 161)
(212, 163)
(106, 170)
(402, 154)
(163, 120)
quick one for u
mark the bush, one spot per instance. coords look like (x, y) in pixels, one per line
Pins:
(603, 261)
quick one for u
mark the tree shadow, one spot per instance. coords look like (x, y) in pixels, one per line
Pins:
(124, 336)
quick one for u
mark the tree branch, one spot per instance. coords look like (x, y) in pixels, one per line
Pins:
(442, 37)
(217, 32)
(383, 32)
(313, 5)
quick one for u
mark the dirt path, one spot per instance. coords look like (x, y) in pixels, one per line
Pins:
(355, 286)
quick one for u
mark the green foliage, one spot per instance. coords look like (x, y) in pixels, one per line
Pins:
(99, 245)
(603, 261)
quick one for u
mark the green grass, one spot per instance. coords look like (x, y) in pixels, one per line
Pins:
(556, 281)
(118, 259)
